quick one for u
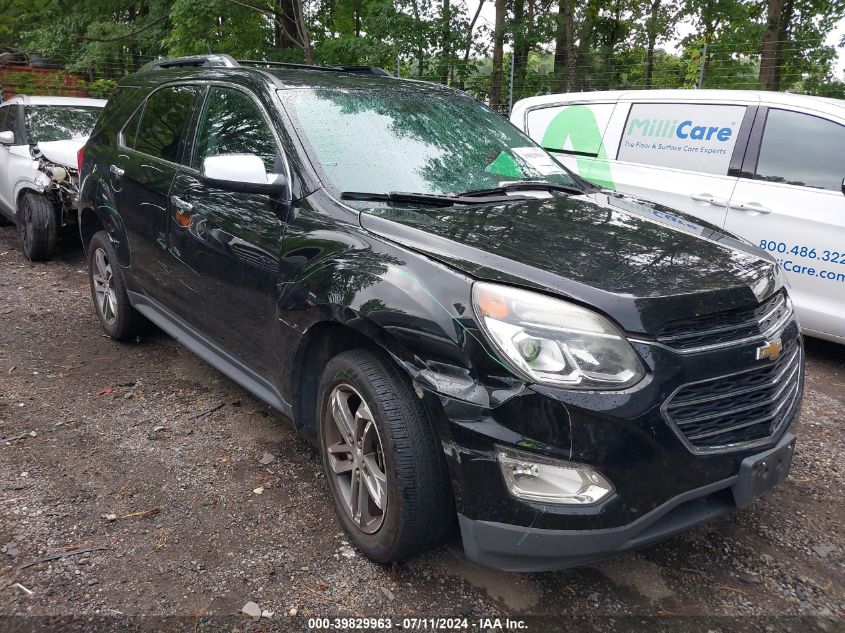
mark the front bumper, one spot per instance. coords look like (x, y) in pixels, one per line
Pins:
(516, 548)
(662, 486)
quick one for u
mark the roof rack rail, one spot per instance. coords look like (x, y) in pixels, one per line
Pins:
(193, 61)
(364, 70)
(219, 60)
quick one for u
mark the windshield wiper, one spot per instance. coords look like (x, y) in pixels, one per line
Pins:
(524, 185)
(431, 198)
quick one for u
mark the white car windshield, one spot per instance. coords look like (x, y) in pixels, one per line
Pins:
(45, 123)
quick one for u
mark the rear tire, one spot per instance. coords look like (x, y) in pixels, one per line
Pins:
(399, 459)
(38, 227)
(119, 319)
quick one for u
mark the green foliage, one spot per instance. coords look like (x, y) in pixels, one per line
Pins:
(616, 44)
(100, 88)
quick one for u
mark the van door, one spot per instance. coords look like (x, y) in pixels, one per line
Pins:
(573, 132)
(679, 154)
(790, 201)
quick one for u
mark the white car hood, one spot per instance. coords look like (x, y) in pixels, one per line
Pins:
(62, 152)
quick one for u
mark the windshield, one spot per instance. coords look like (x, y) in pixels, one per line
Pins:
(46, 123)
(383, 141)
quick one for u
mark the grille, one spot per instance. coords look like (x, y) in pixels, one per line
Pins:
(728, 328)
(740, 409)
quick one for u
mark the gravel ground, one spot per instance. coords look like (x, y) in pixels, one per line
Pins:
(196, 499)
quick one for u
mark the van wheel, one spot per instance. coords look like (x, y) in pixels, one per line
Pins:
(383, 461)
(119, 319)
(38, 227)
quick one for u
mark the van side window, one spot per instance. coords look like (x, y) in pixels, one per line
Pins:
(570, 129)
(232, 123)
(692, 136)
(163, 122)
(802, 149)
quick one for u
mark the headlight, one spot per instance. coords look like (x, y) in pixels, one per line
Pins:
(555, 342)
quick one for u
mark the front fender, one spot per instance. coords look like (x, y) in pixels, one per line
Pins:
(416, 310)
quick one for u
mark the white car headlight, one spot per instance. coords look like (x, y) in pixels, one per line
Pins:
(554, 342)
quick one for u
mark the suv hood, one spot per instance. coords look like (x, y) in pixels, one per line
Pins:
(62, 152)
(639, 262)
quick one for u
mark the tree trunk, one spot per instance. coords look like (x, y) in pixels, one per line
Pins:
(521, 46)
(770, 50)
(652, 40)
(783, 33)
(445, 42)
(420, 54)
(564, 67)
(498, 56)
(585, 37)
(464, 70)
(358, 18)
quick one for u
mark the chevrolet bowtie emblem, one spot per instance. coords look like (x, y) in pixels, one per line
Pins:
(770, 350)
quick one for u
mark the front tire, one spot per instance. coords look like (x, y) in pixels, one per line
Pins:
(119, 319)
(385, 466)
(38, 227)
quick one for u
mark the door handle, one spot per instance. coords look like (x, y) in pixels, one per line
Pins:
(117, 171)
(709, 199)
(754, 207)
(183, 205)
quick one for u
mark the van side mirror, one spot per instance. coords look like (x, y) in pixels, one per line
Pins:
(843, 185)
(7, 137)
(242, 173)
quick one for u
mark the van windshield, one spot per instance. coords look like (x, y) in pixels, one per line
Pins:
(386, 141)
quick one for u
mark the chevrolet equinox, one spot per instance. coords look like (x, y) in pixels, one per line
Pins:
(469, 333)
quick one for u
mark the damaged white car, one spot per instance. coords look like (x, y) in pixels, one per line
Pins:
(39, 177)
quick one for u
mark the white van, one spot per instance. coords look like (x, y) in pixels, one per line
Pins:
(767, 166)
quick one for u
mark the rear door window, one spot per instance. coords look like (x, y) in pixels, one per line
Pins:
(163, 122)
(802, 149)
(690, 136)
(129, 132)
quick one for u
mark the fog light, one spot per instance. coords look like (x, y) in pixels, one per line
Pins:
(537, 478)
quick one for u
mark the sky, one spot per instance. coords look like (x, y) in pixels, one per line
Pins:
(488, 16)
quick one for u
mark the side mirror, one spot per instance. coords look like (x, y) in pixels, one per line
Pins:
(242, 173)
(843, 185)
(7, 137)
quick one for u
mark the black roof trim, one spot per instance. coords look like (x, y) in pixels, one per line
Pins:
(191, 61)
(364, 70)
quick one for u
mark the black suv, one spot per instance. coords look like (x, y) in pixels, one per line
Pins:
(464, 328)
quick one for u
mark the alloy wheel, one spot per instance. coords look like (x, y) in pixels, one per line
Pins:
(104, 292)
(355, 458)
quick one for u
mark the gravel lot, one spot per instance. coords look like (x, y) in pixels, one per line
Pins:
(203, 499)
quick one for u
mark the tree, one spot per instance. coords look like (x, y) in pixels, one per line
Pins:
(565, 61)
(498, 56)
